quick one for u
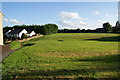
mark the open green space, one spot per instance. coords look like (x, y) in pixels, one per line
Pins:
(65, 55)
(15, 45)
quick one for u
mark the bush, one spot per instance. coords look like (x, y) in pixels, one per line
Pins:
(24, 36)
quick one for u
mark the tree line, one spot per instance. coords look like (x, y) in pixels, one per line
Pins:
(107, 28)
(53, 28)
(42, 29)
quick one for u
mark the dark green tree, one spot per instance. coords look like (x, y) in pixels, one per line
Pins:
(83, 30)
(107, 27)
(42, 29)
(24, 36)
(116, 29)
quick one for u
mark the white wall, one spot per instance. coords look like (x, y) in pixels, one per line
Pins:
(1, 29)
(32, 33)
(23, 31)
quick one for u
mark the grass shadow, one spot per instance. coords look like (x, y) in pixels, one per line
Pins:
(112, 39)
(60, 73)
(29, 44)
(60, 40)
(104, 58)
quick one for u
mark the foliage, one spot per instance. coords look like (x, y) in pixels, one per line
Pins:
(49, 29)
(53, 28)
(76, 31)
(15, 45)
(42, 29)
(24, 36)
(65, 55)
(5, 38)
(116, 29)
(6, 28)
(107, 27)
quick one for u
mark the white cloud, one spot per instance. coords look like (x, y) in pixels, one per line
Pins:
(116, 15)
(6, 20)
(73, 20)
(70, 15)
(102, 21)
(74, 24)
(109, 16)
(12, 21)
(96, 13)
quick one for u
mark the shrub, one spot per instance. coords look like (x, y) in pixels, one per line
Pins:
(24, 36)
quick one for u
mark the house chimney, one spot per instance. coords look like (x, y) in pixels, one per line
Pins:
(1, 29)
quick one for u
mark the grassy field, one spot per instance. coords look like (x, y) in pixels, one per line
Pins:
(15, 45)
(65, 55)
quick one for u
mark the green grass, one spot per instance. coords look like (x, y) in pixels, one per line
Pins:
(15, 45)
(65, 55)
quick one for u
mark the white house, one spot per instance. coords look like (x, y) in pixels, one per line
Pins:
(16, 33)
(31, 33)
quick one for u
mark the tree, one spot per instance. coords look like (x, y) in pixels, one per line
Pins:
(42, 29)
(117, 24)
(5, 38)
(24, 36)
(116, 29)
(78, 30)
(107, 27)
(83, 30)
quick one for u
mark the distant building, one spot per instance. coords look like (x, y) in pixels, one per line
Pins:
(18, 33)
(31, 33)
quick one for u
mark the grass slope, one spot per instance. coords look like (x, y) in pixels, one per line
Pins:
(15, 45)
(65, 55)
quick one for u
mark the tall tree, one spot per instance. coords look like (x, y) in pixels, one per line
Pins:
(116, 29)
(107, 27)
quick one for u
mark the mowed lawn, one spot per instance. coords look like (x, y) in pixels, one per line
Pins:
(65, 55)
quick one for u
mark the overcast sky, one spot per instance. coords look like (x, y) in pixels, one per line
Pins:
(88, 15)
